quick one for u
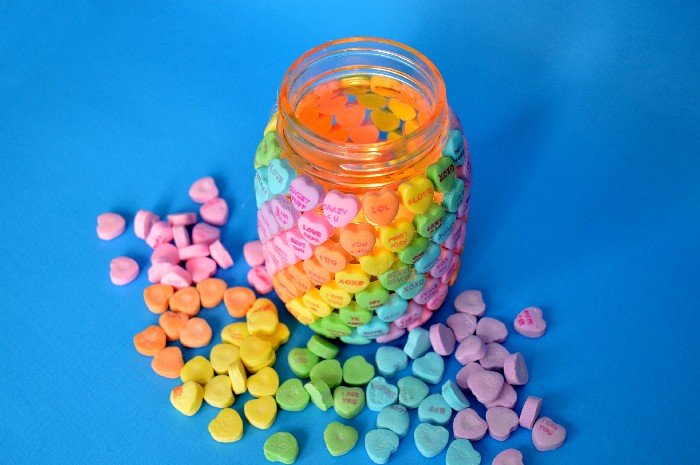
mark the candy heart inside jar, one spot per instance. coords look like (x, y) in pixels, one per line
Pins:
(362, 188)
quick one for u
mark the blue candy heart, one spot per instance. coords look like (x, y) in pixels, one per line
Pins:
(413, 286)
(454, 396)
(380, 444)
(262, 192)
(429, 368)
(279, 176)
(392, 309)
(434, 410)
(373, 329)
(429, 258)
(443, 232)
(454, 147)
(390, 360)
(430, 439)
(380, 394)
(395, 418)
(417, 343)
(355, 338)
(461, 452)
(412, 391)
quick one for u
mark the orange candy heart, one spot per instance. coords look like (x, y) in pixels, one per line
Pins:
(358, 239)
(331, 256)
(380, 207)
(316, 273)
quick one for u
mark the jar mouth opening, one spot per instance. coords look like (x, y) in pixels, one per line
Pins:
(363, 56)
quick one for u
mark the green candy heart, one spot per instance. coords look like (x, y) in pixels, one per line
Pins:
(353, 315)
(372, 297)
(348, 402)
(395, 276)
(339, 438)
(281, 447)
(268, 150)
(414, 250)
(442, 173)
(320, 394)
(317, 327)
(328, 371)
(301, 360)
(291, 395)
(335, 325)
(357, 371)
(453, 198)
(322, 347)
(427, 223)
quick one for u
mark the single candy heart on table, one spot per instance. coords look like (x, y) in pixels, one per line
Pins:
(339, 438)
(143, 222)
(469, 425)
(530, 411)
(279, 176)
(429, 368)
(380, 393)
(187, 398)
(215, 212)
(123, 270)
(434, 409)
(412, 391)
(261, 412)
(442, 174)
(491, 330)
(454, 396)
(390, 360)
(281, 447)
(486, 385)
(380, 207)
(430, 439)
(418, 343)
(417, 194)
(348, 402)
(397, 235)
(227, 426)
(509, 457)
(427, 223)
(305, 193)
(380, 444)
(357, 371)
(292, 396)
(340, 208)
(461, 452)
(263, 383)
(547, 435)
(203, 190)
(315, 228)
(530, 323)
(110, 225)
(392, 309)
(502, 421)
(395, 418)
(203, 233)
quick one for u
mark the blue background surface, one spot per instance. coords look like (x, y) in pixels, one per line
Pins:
(583, 126)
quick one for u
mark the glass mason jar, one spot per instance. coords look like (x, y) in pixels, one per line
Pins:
(362, 187)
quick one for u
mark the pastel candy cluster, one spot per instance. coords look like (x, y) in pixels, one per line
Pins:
(361, 266)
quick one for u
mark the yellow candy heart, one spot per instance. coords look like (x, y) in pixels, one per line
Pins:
(238, 376)
(316, 304)
(417, 194)
(271, 125)
(300, 311)
(217, 392)
(255, 351)
(235, 333)
(397, 235)
(261, 412)
(279, 337)
(262, 318)
(268, 363)
(378, 261)
(334, 295)
(227, 426)
(264, 383)
(222, 355)
(187, 398)
(352, 279)
(198, 370)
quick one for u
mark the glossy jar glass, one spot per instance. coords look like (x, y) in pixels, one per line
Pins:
(362, 187)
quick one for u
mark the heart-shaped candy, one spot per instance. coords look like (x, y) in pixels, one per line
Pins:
(515, 369)
(315, 228)
(123, 270)
(509, 457)
(417, 343)
(203, 233)
(392, 309)
(491, 330)
(380, 207)
(396, 276)
(332, 326)
(428, 292)
(452, 199)
(471, 302)
(348, 402)
(143, 222)
(334, 295)
(429, 258)
(373, 296)
(354, 316)
(215, 212)
(414, 250)
(412, 391)
(331, 256)
(462, 324)
(471, 349)
(203, 190)
(301, 247)
(442, 265)
(217, 392)
(187, 398)
(340, 208)
(110, 225)
(395, 418)
(292, 396)
(279, 176)
(530, 323)
(442, 339)
(358, 239)
(355, 339)
(486, 385)
(284, 212)
(320, 394)
(454, 396)
(305, 193)
(227, 426)
(495, 356)
(262, 192)
(434, 409)
(328, 371)
(378, 261)
(281, 447)
(339, 438)
(469, 425)
(530, 411)
(397, 235)
(393, 334)
(442, 174)
(417, 194)
(461, 452)
(357, 371)
(412, 286)
(390, 360)
(161, 233)
(430, 439)
(454, 146)
(427, 223)
(547, 435)
(263, 383)
(373, 329)
(502, 421)
(352, 278)
(380, 444)
(268, 149)
(412, 314)
(380, 394)
(430, 368)
(445, 229)
(507, 398)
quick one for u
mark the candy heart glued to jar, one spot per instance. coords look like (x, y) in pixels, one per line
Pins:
(362, 187)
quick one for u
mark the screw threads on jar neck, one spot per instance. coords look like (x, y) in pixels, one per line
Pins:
(360, 166)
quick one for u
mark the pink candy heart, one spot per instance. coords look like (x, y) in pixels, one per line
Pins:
(177, 277)
(470, 302)
(429, 290)
(502, 421)
(462, 324)
(530, 412)
(194, 250)
(181, 236)
(203, 190)
(495, 356)
(143, 221)
(182, 219)
(165, 253)
(439, 297)
(215, 212)
(530, 323)
(469, 425)
(547, 435)
(299, 245)
(471, 349)
(491, 330)
(267, 219)
(394, 333)
(509, 457)
(442, 339)
(220, 255)
(305, 193)
(486, 385)
(200, 268)
(123, 270)
(203, 233)
(315, 228)
(110, 225)
(284, 212)
(284, 250)
(260, 280)
(253, 254)
(507, 398)
(515, 369)
(340, 208)
(412, 313)
(160, 233)
(464, 373)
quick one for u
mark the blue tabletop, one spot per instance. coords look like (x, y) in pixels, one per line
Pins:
(583, 124)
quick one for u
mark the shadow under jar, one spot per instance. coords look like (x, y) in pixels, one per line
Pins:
(362, 187)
